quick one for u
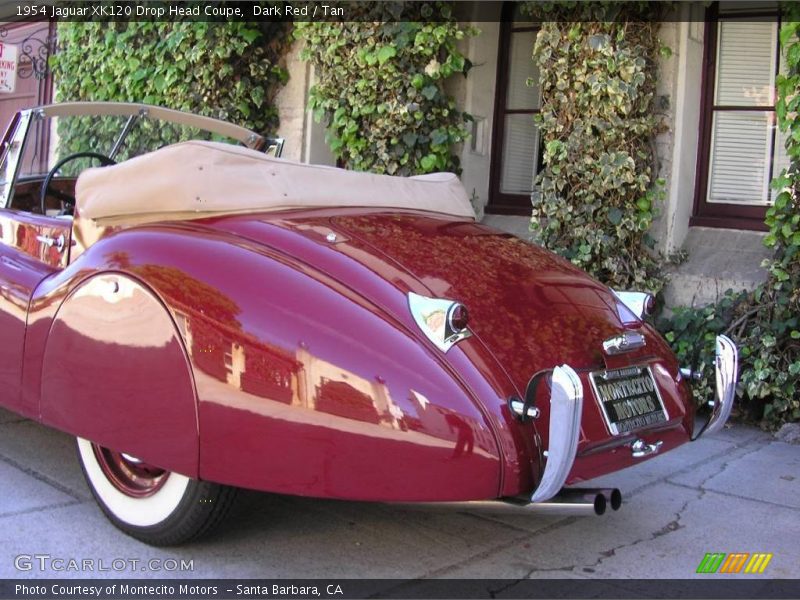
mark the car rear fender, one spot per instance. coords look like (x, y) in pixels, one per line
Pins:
(304, 386)
(115, 371)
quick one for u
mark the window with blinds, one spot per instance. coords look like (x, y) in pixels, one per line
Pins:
(521, 140)
(741, 148)
(516, 148)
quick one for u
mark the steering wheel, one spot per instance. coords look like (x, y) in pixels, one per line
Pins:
(68, 201)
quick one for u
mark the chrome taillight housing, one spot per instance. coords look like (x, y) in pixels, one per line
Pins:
(444, 322)
(641, 304)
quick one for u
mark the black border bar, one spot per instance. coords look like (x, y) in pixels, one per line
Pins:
(711, 588)
(357, 10)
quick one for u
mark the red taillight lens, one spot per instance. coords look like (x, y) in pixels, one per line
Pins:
(459, 318)
(649, 305)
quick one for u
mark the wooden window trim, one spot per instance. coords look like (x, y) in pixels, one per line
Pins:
(707, 214)
(500, 203)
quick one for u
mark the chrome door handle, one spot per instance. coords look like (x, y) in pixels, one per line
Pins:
(58, 242)
(640, 449)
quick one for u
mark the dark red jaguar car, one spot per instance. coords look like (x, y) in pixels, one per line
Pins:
(204, 316)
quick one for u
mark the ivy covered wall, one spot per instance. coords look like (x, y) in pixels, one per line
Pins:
(599, 190)
(229, 70)
(379, 89)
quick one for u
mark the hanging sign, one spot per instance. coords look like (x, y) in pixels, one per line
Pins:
(8, 68)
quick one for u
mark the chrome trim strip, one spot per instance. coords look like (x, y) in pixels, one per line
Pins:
(566, 407)
(517, 406)
(624, 342)
(12, 154)
(727, 374)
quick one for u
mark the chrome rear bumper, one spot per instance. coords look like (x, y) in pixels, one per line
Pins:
(566, 407)
(727, 374)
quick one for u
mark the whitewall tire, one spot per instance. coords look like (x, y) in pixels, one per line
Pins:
(151, 504)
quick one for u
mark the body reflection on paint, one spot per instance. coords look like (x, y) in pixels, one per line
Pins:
(305, 381)
(465, 442)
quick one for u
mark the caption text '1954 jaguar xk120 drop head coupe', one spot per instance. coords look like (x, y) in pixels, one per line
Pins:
(204, 316)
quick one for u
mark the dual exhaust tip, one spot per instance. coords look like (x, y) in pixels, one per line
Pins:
(583, 501)
(579, 502)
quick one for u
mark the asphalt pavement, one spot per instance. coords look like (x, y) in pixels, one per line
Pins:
(736, 491)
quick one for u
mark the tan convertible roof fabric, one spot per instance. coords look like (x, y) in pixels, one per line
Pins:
(197, 179)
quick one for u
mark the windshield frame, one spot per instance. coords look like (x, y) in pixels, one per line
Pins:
(134, 111)
(131, 109)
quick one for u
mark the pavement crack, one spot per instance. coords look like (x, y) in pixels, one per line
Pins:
(528, 535)
(43, 478)
(759, 444)
(670, 527)
(27, 511)
(759, 501)
(702, 485)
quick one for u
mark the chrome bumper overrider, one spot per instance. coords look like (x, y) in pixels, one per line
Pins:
(566, 407)
(727, 373)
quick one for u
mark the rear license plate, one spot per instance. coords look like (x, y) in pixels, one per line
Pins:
(629, 398)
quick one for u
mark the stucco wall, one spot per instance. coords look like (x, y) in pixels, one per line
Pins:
(679, 91)
(291, 103)
(305, 139)
(475, 94)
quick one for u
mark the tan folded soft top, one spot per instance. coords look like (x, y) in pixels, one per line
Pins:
(192, 180)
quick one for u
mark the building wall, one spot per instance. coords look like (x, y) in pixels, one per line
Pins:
(679, 91)
(677, 101)
(717, 259)
(475, 93)
(305, 139)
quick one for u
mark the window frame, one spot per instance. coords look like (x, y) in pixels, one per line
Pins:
(500, 203)
(718, 214)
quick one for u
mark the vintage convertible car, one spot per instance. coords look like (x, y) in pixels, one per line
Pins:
(204, 316)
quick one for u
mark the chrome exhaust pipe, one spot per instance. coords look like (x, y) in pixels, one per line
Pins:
(569, 501)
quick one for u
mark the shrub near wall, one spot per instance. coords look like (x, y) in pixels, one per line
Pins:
(599, 193)
(379, 88)
(226, 70)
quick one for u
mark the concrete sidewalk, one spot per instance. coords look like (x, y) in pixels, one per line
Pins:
(738, 491)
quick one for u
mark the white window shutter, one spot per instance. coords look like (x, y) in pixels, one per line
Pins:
(742, 140)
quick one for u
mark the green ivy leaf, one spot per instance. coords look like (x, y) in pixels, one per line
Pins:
(385, 53)
(250, 35)
(430, 91)
(439, 137)
(428, 162)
